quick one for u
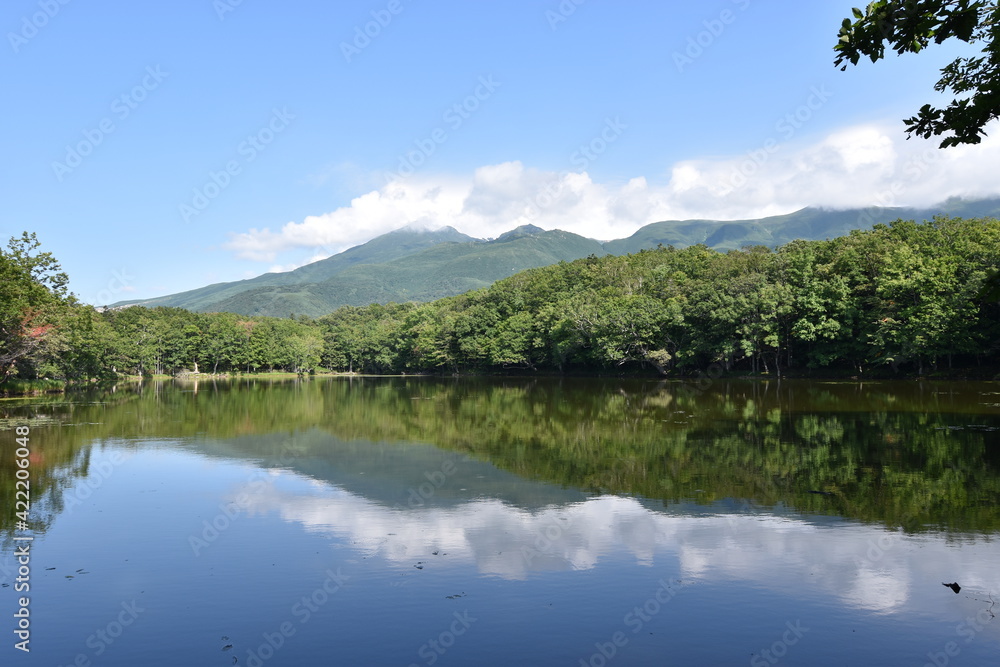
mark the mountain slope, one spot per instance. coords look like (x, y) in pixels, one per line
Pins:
(442, 270)
(411, 265)
(385, 248)
(808, 223)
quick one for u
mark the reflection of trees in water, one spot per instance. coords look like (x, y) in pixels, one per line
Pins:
(59, 457)
(53, 469)
(902, 454)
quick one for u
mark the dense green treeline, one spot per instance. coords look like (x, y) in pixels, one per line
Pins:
(903, 293)
(139, 341)
(904, 296)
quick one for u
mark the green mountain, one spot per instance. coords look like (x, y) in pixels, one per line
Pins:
(444, 269)
(385, 248)
(413, 265)
(807, 223)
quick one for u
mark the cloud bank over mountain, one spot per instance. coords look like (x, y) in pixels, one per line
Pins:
(863, 165)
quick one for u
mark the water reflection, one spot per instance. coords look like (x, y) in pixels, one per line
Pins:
(916, 455)
(865, 567)
(556, 506)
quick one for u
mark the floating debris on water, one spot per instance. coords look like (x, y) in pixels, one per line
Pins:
(970, 427)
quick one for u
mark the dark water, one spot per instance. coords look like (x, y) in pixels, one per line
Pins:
(507, 522)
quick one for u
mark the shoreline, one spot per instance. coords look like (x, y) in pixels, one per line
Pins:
(37, 388)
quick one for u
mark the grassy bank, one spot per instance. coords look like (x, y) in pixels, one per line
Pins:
(12, 388)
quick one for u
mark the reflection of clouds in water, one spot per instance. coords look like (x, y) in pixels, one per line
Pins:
(772, 550)
(867, 567)
(877, 590)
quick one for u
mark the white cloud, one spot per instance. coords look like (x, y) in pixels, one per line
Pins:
(861, 147)
(866, 165)
(863, 165)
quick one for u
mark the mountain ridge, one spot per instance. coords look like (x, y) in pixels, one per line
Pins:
(422, 265)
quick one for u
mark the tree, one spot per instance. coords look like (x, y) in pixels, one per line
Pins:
(222, 341)
(89, 348)
(821, 302)
(909, 26)
(134, 328)
(32, 289)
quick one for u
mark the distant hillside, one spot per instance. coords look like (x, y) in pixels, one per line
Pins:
(442, 270)
(385, 248)
(411, 265)
(808, 223)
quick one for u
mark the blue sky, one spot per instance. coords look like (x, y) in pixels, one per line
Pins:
(158, 147)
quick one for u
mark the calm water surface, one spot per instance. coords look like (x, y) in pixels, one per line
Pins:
(386, 521)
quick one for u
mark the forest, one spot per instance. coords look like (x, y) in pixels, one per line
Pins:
(905, 297)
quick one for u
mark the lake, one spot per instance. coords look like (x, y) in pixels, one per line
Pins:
(578, 522)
